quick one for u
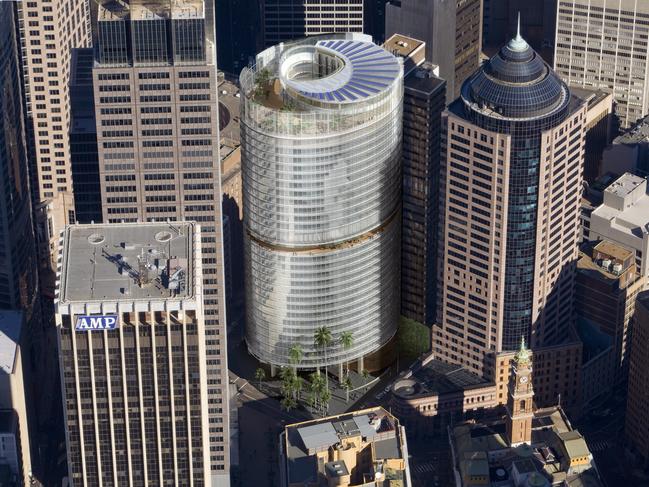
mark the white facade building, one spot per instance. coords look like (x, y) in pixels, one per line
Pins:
(623, 218)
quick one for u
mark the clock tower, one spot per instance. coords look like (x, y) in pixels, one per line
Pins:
(520, 409)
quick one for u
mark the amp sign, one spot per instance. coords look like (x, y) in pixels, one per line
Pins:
(97, 322)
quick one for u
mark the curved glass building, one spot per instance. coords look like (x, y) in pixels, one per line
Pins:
(513, 174)
(321, 146)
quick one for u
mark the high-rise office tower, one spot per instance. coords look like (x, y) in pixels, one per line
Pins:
(511, 182)
(424, 101)
(285, 20)
(84, 158)
(607, 284)
(537, 17)
(18, 278)
(20, 328)
(452, 31)
(603, 44)
(133, 354)
(157, 131)
(49, 31)
(636, 427)
(321, 167)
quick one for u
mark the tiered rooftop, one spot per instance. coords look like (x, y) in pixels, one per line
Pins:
(350, 449)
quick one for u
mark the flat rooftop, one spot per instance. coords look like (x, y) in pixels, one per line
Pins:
(401, 45)
(127, 261)
(637, 134)
(10, 325)
(624, 185)
(304, 440)
(634, 219)
(438, 377)
(591, 96)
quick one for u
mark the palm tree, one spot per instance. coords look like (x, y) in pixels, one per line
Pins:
(366, 375)
(346, 339)
(260, 374)
(295, 355)
(317, 390)
(322, 338)
(289, 384)
(298, 386)
(347, 384)
(288, 403)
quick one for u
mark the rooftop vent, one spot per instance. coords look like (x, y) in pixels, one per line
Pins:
(96, 239)
(163, 236)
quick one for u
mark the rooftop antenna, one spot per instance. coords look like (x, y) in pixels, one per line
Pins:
(518, 43)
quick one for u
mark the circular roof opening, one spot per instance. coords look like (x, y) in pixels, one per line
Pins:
(96, 239)
(163, 236)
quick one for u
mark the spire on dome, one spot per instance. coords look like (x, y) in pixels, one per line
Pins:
(523, 354)
(518, 43)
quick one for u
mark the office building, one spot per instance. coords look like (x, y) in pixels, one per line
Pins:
(17, 427)
(156, 108)
(452, 31)
(606, 288)
(238, 33)
(636, 426)
(603, 44)
(623, 218)
(48, 33)
(18, 279)
(286, 20)
(84, 158)
(361, 448)
(599, 129)
(537, 20)
(133, 354)
(423, 103)
(511, 178)
(629, 151)
(322, 192)
(10, 459)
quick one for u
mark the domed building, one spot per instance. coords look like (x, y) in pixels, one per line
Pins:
(513, 153)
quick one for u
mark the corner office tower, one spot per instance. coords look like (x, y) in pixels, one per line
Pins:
(513, 153)
(156, 108)
(321, 139)
(129, 315)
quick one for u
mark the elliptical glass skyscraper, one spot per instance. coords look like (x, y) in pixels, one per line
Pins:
(321, 139)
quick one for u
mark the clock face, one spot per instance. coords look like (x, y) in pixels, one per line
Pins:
(523, 380)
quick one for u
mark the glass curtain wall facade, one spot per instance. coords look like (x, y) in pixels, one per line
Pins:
(321, 139)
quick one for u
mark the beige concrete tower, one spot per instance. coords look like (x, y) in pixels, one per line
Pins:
(286, 20)
(156, 108)
(452, 31)
(133, 355)
(603, 44)
(49, 30)
(511, 180)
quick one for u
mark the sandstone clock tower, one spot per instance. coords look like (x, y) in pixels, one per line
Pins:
(520, 409)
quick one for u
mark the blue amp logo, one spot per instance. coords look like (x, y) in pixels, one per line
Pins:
(97, 322)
